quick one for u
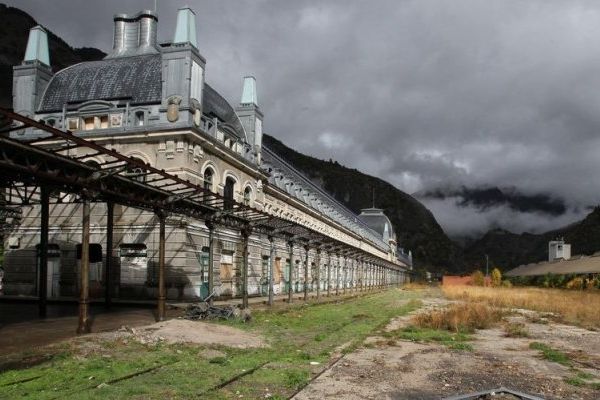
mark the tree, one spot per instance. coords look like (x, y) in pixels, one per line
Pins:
(496, 277)
(477, 278)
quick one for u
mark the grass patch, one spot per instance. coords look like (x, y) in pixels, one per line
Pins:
(570, 306)
(516, 330)
(551, 354)
(298, 336)
(454, 340)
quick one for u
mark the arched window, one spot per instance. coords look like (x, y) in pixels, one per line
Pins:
(139, 118)
(135, 172)
(247, 195)
(93, 163)
(208, 178)
(228, 192)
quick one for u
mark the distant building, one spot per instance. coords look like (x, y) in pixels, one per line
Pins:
(558, 249)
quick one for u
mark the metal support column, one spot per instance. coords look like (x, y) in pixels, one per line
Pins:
(307, 249)
(271, 267)
(345, 274)
(110, 214)
(84, 326)
(361, 270)
(328, 274)
(245, 237)
(43, 252)
(337, 275)
(162, 295)
(318, 273)
(211, 259)
(352, 265)
(291, 272)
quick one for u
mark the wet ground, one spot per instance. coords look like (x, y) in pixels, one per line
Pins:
(22, 328)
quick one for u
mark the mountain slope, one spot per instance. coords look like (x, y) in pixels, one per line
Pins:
(416, 228)
(14, 31)
(508, 250)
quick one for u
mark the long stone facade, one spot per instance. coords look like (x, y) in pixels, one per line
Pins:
(155, 107)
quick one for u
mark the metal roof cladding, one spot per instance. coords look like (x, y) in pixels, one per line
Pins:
(135, 78)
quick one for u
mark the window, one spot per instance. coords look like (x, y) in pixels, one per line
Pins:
(204, 265)
(51, 122)
(72, 124)
(88, 123)
(95, 122)
(247, 195)
(265, 267)
(136, 173)
(228, 193)
(139, 118)
(208, 178)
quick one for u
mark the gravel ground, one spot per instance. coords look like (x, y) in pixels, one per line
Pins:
(409, 370)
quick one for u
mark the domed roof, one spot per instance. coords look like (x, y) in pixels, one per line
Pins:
(138, 79)
(135, 78)
(378, 221)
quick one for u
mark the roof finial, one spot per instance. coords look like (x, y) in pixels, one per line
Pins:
(37, 46)
(185, 30)
(249, 95)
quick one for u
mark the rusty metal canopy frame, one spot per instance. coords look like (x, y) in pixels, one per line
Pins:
(46, 160)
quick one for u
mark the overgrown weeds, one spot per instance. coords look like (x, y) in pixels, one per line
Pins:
(459, 318)
(516, 330)
(575, 307)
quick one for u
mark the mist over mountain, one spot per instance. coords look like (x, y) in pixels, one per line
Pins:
(467, 213)
(508, 250)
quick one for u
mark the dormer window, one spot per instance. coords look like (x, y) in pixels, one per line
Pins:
(139, 118)
(95, 122)
(73, 124)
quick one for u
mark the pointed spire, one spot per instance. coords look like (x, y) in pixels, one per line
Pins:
(249, 95)
(37, 46)
(185, 31)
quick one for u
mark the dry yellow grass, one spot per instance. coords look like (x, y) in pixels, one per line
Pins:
(459, 317)
(575, 307)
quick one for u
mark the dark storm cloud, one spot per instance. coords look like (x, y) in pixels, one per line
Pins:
(421, 93)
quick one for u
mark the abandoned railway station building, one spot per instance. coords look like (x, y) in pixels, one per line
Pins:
(267, 230)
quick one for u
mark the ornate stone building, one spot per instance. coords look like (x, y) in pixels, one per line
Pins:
(150, 101)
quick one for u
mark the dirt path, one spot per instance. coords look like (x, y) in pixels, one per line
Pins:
(184, 331)
(408, 370)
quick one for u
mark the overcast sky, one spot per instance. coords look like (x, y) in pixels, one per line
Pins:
(420, 93)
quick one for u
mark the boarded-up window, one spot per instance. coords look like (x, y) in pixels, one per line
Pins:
(226, 270)
(277, 271)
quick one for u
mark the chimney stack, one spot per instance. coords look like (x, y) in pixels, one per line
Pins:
(148, 28)
(135, 34)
